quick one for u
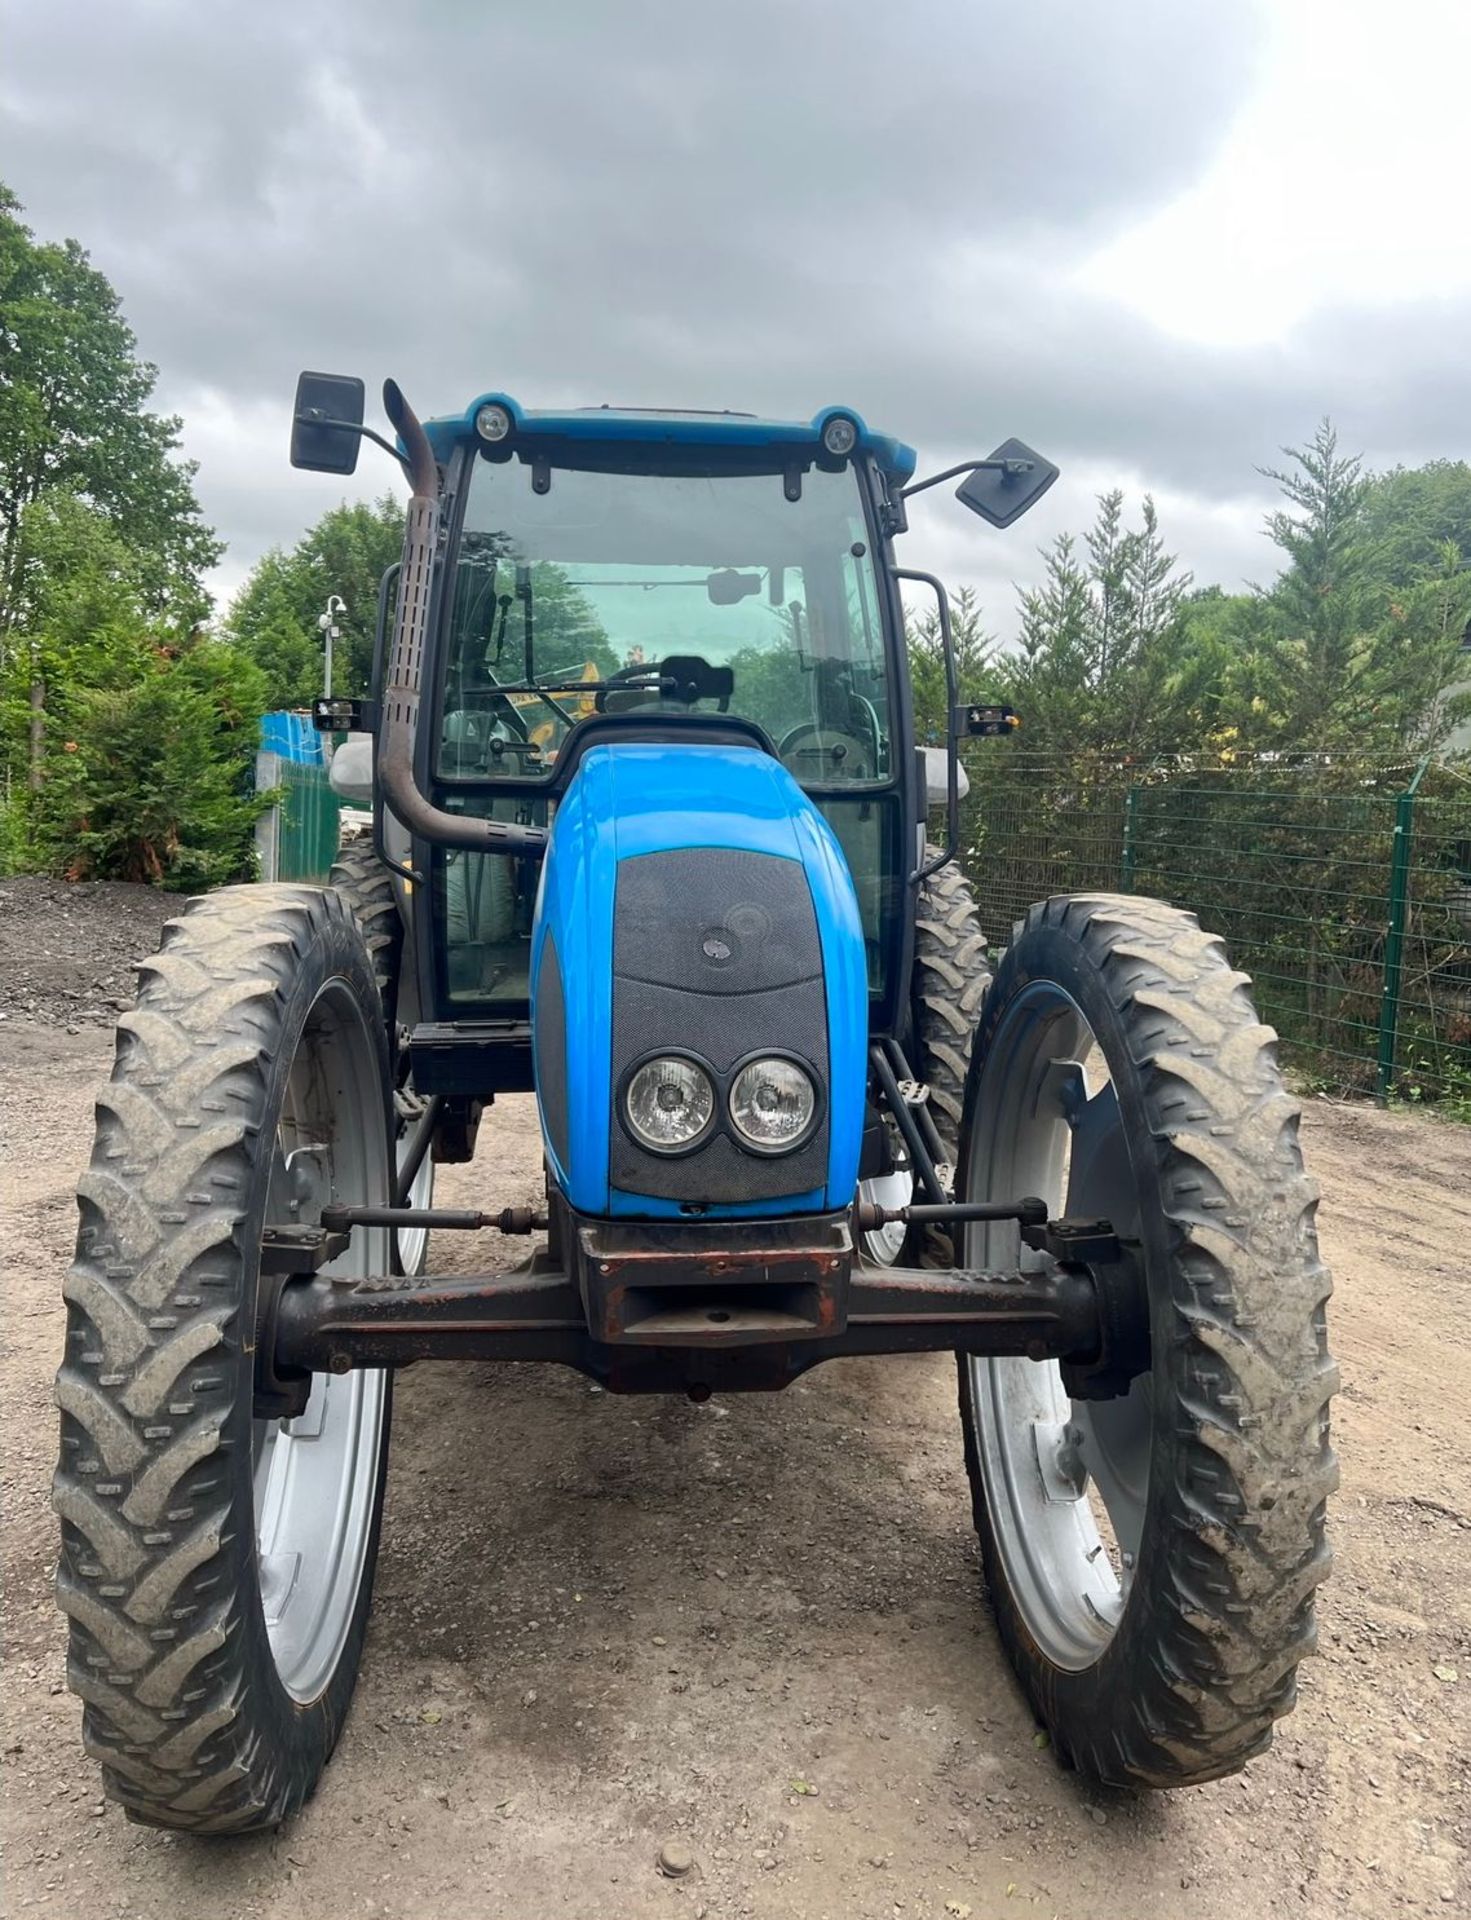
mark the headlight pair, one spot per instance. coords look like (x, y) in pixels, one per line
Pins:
(669, 1103)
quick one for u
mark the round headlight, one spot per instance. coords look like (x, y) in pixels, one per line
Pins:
(493, 423)
(772, 1103)
(669, 1103)
(840, 436)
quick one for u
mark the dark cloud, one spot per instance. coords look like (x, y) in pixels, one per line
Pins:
(773, 204)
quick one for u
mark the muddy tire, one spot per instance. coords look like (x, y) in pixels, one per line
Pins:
(216, 1569)
(952, 973)
(367, 886)
(1151, 1559)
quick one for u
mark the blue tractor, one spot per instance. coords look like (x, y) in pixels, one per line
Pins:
(651, 840)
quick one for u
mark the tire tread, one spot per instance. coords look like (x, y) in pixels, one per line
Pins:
(1245, 1545)
(147, 1386)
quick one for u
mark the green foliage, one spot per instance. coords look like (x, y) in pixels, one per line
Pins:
(1411, 514)
(1102, 665)
(772, 688)
(1355, 646)
(1361, 629)
(974, 647)
(78, 581)
(513, 623)
(273, 618)
(124, 748)
(566, 632)
(154, 781)
(74, 421)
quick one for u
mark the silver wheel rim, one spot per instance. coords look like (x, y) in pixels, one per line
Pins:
(885, 1244)
(316, 1477)
(1066, 1482)
(413, 1242)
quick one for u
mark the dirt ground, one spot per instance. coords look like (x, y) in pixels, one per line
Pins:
(69, 953)
(757, 1627)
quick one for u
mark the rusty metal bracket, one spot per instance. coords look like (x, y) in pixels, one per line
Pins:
(286, 1252)
(291, 1249)
(437, 1219)
(674, 1284)
(651, 1307)
(1081, 1242)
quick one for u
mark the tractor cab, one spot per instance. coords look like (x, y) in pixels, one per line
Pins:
(663, 575)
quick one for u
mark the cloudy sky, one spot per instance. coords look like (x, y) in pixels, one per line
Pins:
(1156, 238)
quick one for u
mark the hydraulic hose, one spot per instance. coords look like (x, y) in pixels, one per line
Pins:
(406, 668)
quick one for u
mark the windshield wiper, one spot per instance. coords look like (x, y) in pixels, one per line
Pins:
(640, 679)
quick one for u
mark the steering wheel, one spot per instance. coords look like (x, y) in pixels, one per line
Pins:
(695, 680)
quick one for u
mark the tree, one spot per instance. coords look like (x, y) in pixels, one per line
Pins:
(154, 781)
(1102, 663)
(566, 633)
(1411, 514)
(273, 619)
(78, 582)
(80, 452)
(74, 419)
(974, 647)
(1361, 630)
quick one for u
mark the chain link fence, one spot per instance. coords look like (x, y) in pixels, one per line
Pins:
(1344, 889)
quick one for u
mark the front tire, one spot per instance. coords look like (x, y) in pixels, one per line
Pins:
(217, 1568)
(1151, 1559)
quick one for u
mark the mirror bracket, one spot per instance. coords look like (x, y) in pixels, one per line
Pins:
(1001, 487)
(982, 723)
(953, 707)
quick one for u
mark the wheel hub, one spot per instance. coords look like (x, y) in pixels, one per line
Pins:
(1066, 1469)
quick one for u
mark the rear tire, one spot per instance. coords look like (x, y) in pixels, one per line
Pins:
(952, 972)
(952, 975)
(1151, 1559)
(367, 886)
(217, 1569)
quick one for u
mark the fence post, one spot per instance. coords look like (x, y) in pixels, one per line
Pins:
(1126, 865)
(1394, 944)
(268, 824)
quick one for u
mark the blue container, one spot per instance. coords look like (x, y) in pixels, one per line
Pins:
(291, 736)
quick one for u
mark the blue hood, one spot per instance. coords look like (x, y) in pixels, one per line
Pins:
(652, 846)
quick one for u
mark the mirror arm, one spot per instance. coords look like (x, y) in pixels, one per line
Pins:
(1013, 469)
(311, 418)
(952, 701)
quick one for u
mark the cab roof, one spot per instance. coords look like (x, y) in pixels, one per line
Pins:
(653, 427)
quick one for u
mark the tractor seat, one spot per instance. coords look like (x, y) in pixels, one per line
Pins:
(815, 754)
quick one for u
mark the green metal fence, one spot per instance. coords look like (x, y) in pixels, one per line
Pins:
(1344, 889)
(297, 838)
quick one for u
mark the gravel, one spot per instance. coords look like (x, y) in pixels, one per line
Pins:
(70, 951)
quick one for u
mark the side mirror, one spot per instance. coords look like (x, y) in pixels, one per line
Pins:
(326, 426)
(1002, 488)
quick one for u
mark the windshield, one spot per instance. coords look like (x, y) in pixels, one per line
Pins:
(665, 593)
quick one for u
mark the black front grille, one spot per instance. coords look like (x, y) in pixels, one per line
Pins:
(716, 952)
